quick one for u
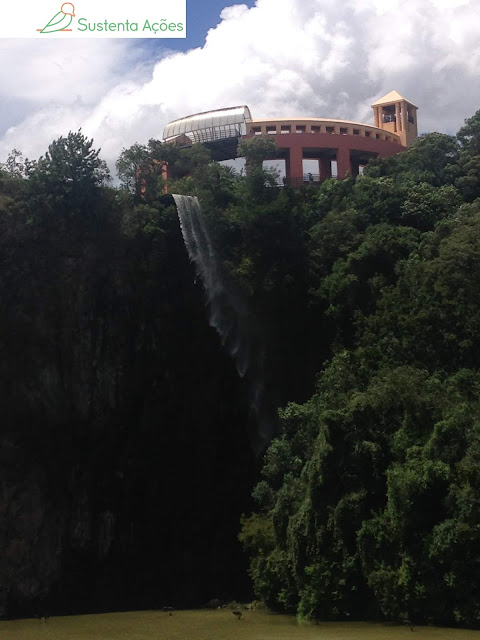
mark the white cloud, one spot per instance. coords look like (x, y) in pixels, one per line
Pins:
(282, 57)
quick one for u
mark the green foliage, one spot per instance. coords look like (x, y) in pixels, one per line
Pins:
(257, 533)
(469, 134)
(16, 166)
(363, 294)
(257, 149)
(132, 167)
(372, 484)
(433, 159)
(67, 179)
(426, 205)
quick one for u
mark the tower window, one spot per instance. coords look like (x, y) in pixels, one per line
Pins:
(388, 113)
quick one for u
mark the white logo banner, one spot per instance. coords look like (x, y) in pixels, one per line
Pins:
(93, 19)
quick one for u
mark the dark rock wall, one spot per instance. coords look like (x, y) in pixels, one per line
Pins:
(125, 459)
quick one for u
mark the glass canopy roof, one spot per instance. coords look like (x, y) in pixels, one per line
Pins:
(210, 125)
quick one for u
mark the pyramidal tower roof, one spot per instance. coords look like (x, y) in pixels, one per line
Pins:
(393, 96)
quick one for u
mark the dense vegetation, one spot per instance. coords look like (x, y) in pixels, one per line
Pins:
(369, 499)
(125, 458)
(366, 296)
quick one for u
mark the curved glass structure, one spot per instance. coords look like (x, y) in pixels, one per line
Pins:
(210, 125)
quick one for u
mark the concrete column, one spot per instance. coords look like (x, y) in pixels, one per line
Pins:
(404, 116)
(294, 168)
(325, 166)
(376, 120)
(398, 124)
(343, 162)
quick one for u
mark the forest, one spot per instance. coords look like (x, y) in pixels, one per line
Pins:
(137, 472)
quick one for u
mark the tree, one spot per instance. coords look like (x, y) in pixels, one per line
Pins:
(433, 159)
(469, 138)
(370, 492)
(16, 166)
(256, 150)
(469, 134)
(69, 176)
(131, 165)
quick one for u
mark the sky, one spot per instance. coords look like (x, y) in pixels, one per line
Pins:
(283, 58)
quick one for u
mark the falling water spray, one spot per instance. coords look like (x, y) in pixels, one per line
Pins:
(228, 314)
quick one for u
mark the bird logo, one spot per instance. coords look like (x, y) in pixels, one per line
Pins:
(61, 20)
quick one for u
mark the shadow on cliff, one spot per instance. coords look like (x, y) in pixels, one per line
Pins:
(125, 460)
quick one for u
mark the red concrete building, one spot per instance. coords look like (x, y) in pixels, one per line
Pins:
(323, 144)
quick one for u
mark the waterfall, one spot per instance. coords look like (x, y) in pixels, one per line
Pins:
(228, 314)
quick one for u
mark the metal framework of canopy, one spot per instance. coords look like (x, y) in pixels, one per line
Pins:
(210, 125)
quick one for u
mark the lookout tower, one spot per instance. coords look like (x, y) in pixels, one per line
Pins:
(395, 114)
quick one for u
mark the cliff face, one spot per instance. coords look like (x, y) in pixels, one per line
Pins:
(125, 459)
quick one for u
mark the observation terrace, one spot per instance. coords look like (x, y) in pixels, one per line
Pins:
(309, 149)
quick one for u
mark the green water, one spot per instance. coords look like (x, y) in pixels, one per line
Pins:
(213, 625)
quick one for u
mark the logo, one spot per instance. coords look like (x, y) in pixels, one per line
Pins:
(71, 19)
(61, 20)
